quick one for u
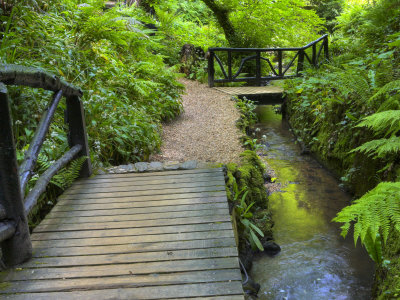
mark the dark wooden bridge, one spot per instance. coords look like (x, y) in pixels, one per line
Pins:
(257, 66)
(161, 235)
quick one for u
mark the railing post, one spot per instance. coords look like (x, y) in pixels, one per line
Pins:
(211, 70)
(258, 69)
(326, 48)
(229, 65)
(75, 117)
(300, 62)
(314, 55)
(280, 62)
(18, 248)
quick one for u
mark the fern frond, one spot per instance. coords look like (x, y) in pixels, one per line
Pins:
(387, 97)
(386, 122)
(373, 215)
(66, 176)
(380, 148)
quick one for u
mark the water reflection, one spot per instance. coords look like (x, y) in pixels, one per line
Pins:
(315, 262)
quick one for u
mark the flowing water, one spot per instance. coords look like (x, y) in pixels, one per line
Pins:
(315, 261)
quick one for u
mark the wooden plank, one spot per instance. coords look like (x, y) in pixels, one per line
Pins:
(149, 180)
(92, 205)
(152, 200)
(143, 187)
(121, 240)
(160, 173)
(110, 259)
(160, 292)
(135, 217)
(147, 192)
(230, 297)
(120, 282)
(144, 232)
(137, 210)
(250, 90)
(134, 248)
(25, 273)
(129, 224)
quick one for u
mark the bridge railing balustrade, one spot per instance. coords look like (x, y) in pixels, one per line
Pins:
(280, 63)
(14, 204)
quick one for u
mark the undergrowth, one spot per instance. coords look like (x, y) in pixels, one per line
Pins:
(347, 113)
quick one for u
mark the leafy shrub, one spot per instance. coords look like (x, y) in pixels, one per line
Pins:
(128, 90)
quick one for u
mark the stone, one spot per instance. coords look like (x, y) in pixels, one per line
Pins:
(155, 166)
(271, 248)
(100, 172)
(131, 168)
(189, 165)
(172, 165)
(142, 166)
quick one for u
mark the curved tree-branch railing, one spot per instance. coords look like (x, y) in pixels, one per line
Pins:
(14, 206)
(280, 73)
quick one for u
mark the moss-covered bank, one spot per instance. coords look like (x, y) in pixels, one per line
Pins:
(247, 195)
(327, 128)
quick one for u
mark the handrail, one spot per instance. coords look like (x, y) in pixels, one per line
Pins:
(276, 74)
(14, 232)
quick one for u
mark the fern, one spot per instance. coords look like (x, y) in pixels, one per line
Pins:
(380, 148)
(373, 215)
(386, 123)
(67, 176)
(387, 97)
(350, 82)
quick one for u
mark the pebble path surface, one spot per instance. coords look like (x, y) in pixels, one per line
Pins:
(206, 131)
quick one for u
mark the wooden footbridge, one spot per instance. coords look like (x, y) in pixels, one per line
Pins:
(258, 66)
(161, 235)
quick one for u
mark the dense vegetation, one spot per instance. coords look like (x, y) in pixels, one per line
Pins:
(347, 112)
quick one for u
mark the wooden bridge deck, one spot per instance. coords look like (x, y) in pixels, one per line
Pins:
(161, 235)
(259, 94)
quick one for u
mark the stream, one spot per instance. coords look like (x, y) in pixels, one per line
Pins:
(315, 261)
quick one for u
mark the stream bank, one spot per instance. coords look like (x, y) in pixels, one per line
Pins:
(315, 262)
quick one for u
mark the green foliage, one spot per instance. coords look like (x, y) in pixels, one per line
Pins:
(347, 112)
(128, 90)
(247, 115)
(272, 23)
(328, 10)
(244, 216)
(373, 215)
(386, 123)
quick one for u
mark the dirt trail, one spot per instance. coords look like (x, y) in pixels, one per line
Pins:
(205, 131)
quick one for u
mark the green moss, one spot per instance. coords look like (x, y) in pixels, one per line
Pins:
(248, 176)
(387, 281)
(4, 285)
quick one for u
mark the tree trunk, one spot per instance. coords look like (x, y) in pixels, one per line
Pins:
(222, 15)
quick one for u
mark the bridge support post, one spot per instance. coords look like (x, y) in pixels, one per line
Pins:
(314, 55)
(75, 117)
(300, 62)
(258, 69)
(326, 48)
(18, 247)
(280, 73)
(211, 70)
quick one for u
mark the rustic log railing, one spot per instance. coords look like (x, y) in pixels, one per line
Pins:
(277, 72)
(14, 206)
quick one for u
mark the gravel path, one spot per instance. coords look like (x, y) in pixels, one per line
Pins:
(205, 131)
